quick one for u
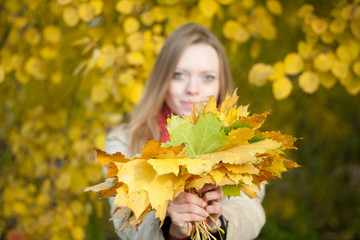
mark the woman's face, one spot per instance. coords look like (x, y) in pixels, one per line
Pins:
(195, 79)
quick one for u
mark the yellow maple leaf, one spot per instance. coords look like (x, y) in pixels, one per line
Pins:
(161, 188)
(106, 158)
(242, 153)
(198, 183)
(130, 172)
(218, 173)
(161, 211)
(247, 167)
(286, 140)
(239, 136)
(165, 165)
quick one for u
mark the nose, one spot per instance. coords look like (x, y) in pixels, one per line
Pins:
(192, 87)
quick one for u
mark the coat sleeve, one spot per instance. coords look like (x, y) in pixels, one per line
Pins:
(245, 216)
(150, 227)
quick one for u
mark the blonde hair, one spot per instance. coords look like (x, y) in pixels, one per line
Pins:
(143, 123)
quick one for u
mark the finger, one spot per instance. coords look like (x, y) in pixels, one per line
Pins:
(189, 209)
(207, 187)
(186, 197)
(213, 195)
(215, 209)
(179, 219)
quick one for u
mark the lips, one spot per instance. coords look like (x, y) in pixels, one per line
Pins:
(188, 104)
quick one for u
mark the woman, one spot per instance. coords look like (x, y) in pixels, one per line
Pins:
(191, 66)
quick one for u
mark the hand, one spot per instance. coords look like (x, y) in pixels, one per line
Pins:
(213, 196)
(185, 208)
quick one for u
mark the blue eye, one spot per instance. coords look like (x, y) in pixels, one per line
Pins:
(209, 78)
(179, 75)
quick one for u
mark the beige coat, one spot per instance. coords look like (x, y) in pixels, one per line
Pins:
(245, 216)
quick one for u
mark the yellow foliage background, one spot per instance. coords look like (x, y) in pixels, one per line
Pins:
(71, 69)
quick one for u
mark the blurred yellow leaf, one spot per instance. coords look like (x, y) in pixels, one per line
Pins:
(131, 25)
(355, 27)
(268, 31)
(86, 12)
(99, 141)
(125, 6)
(351, 83)
(52, 34)
(17, 61)
(48, 53)
(56, 77)
(99, 93)
(347, 52)
(147, 18)
(233, 30)
(64, 2)
(70, 16)
(305, 10)
(259, 73)
(127, 76)
(324, 61)
(35, 67)
(319, 25)
(108, 56)
(282, 88)
(309, 82)
(340, 69)
(136, 41)
(64, 180)
(225, 2)
(279, 71)
(326, 79)
(347, 11)
(159, 13)
(248, 4)
(208, 7)
(293, 64)
(328, 37)
(274, 6)
(135, 58)
(21, 77)
(20, 22)
(19, 208)
(356, 68)
(2, 74)
(32, 36)
(78, 232)
(338, 25)
(255, 49)
(97, 6)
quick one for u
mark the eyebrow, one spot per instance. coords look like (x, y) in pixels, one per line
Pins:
(205, 71)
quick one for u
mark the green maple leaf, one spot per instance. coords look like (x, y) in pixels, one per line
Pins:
(231, 190)
(205, 136)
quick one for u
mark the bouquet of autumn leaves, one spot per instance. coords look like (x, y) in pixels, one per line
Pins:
(221, 146)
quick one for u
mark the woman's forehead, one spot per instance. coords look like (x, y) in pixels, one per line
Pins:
(199, 56)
